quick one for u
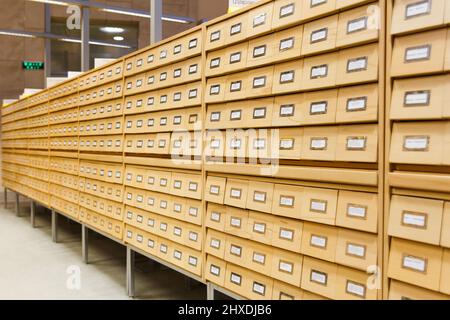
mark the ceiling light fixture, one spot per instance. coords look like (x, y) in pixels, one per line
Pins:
(112, 29)
(97, 43)
(119, 38)
(58, 3)
(16, 34)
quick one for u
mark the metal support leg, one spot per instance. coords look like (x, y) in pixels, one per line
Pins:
(33, 214)
(17, 204)
(54, 226)
(85, 243)
(130, 272)
(210, 291)
(6, 198)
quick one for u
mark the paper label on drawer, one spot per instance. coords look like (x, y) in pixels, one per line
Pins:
(286, 144)
(177, 207)
(215, 63)
(259, 113)
(259, 144)
(418, 53)
(318, 143)
(215, 243)
(287, 10)
(215, 116)
(319, 71)
(163, 182)
(214, 90)
(177, 254)
(138, 83)
(235, 86)
(163, 54)
(193, 211)
(235, 29)
(129, 196)
(150, 101)
(193, 186)
(318, 277)
(287, 110)
(163, 248)
(162, 143)
(129, 66)
(356, 104)
(418, 9)
(356, 143)
(151, 80)
(193, 93)
(215, 36)
(151, 243)
(193, 236)
(163, 99)
(259, 20)
(177, 231)
(259, 196)
(235, 57)
(318, 206)
(416, 143)
(139, 238)
(235, 250)
(414, 263)
(285, 266)
(139, 219)
(129, 234)
(193, 43)
(163, 226)
(286, 234)
(214, 190)
(163, 76)
(287, 76)
(286, 44)
(318, 108)
(235, 222)
(177, 73)
(356, 250)
(357, 25)
(235, 278)
(193, 69)
(286, 201)
(214, 270)
(177, 49)
(215, 144)
(259, 258)
(414, 219)
(358, 64)
(259, 227)
(417, 98)
(319, 35)
(151, 201)
(259, 82)
(318, 241)
(215, 216)
(139, 198)
(356, 289)
(259, 288)
(163, 204)
(177, 120)
(259, 51)
(356, 211)
(151, 223)
(130, 215)
(314, 3)
(235, 115)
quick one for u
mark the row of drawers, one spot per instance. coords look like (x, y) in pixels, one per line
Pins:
(344, 105)
(356, 210)
(420, 219)
(172, 75)
(174, 253)
(423, 265)
(106, 207)
(345, 29)
(412, 15)
(275, 15)
(178, 49)
(65, 165)
(421, 53)
(107, 74)
(175, 230)
(351, 248)
(112, 227)
(180, 208)
(353, 143)
(101, 189)
(66, 102)
(106, 126)
(403, 291)
(175, 183)
(171, 98)
(177, 143)
(320, 277)
(63, 179)
(164, 121)
(64, 206)
(350, 66)
(101, 93)
(65, 193)
(107, 172)
(421, 143)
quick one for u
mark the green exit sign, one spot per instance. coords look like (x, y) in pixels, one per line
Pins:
(30, 65)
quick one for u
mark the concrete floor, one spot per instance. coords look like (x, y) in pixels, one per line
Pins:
(33, 267)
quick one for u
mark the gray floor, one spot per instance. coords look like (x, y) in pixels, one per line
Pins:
(33, 267)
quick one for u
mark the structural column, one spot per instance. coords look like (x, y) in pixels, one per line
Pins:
(85, 39)
(155, 21)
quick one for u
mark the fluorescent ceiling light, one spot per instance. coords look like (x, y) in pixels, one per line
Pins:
(16, 34)
(119, 38)
(112, 29)
(58, 3)
(97, 43)
(144, 15)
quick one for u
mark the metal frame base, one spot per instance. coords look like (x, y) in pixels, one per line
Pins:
(211, 288)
